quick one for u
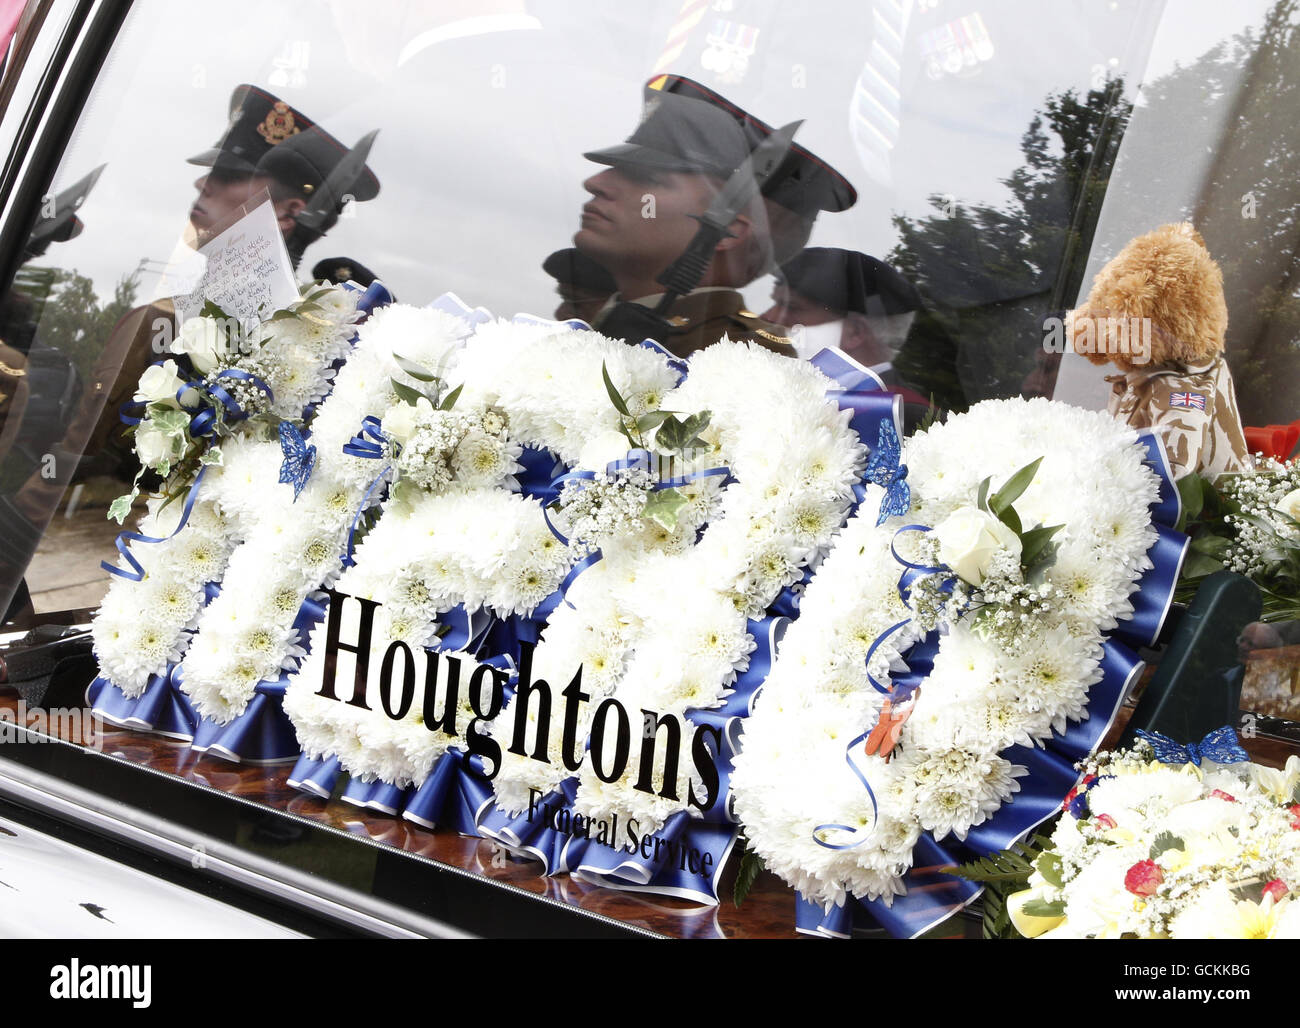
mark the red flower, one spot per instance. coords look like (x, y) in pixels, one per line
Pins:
(1105, 820)
(1294, 811)
(1073, 793)
(1224, 795)
(1277, 889)
(1144, 878)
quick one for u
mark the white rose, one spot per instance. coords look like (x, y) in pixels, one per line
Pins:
(153, 446)
(1290, 504)
(968, 540)
(204, 341)
(402, 419)
(160, 383)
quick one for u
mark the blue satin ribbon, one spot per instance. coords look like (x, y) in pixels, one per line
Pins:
(370, 444)
(315, 776)
(376, 295)
(161, 708)
(678, 365)
(1168, 506)
(450, 796)
(124, 538)
(379, 796)
(263, 733)
(205, 422)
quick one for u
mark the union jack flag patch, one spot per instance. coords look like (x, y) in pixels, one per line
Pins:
(1189, 400)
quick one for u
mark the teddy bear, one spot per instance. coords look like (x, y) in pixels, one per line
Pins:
(1156, 311)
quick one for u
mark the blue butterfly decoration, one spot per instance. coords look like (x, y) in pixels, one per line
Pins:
(1220, 746)
(884, 469)
(299, 458)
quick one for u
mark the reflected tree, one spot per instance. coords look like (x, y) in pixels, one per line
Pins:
(993, 273)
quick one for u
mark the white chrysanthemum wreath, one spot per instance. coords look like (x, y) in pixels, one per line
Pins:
(247, 635)
(145, 621)
(662, 626)
(1016, 662)
(459, 539)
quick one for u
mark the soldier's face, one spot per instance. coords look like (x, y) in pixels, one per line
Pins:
(638, 220)
(221, 194)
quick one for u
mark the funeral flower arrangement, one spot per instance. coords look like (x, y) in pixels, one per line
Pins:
(1027, 532)
(1248, 523)
(661, 623)
(302, 525)
(1152, 848)
(207, 439)
(464, 536)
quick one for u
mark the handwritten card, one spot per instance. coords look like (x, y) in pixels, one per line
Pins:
(245, 271)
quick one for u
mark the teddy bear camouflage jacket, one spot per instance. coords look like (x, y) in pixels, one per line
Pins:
(1194, 409)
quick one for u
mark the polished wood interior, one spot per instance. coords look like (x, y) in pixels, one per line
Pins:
(767, 913)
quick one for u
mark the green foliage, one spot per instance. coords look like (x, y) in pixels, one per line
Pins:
(406, 394)
(1006, 872)
(662, 507)
(121, 507)
(675, 436)
(1010, 866)
(1163, 842)
(1044, 908)
(750, 866)
(70, 315)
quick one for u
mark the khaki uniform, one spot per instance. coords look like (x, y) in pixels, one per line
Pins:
(1193, 409)
(13, 394)
(704, 316)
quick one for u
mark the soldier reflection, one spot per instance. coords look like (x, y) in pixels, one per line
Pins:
(583, 284)
(641, 215)
(267, 146)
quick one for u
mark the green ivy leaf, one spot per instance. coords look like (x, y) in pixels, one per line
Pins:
(1198, 565)
(662, 507)
(615, 397)
(1013, 487)
(170, 421)
(669, 438)
(211, 457)
(121, 507)
(1191, 490)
